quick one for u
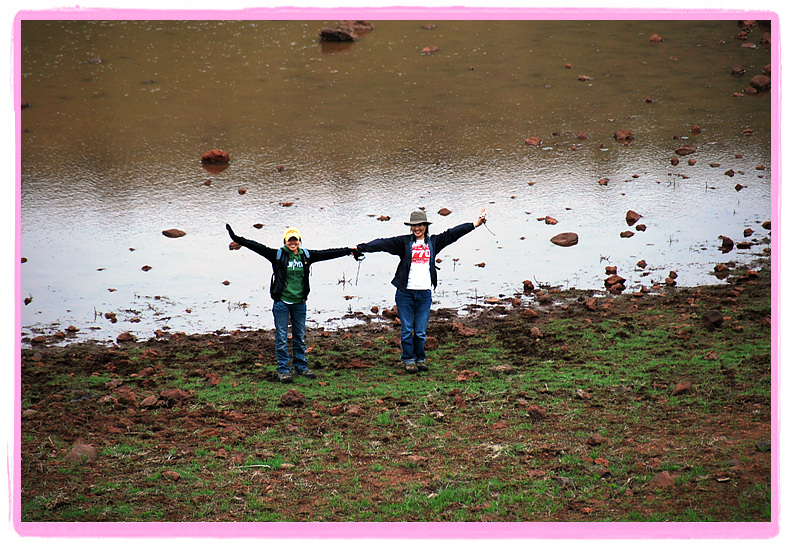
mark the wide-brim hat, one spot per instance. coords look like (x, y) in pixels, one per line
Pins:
(417, 217)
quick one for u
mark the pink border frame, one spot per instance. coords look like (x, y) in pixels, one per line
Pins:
(394, 530)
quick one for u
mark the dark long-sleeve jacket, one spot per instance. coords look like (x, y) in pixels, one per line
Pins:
(279, 260)
(400, 246)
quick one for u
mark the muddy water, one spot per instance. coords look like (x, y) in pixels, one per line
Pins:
(334, 139)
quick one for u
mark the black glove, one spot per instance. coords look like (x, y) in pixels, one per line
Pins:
(357, 254)
(229, 229)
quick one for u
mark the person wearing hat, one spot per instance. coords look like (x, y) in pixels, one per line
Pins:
(289, 288)
(415, 277)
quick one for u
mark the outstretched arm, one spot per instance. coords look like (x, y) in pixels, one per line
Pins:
(393, 246)
(319, 255)
(454, 234)
(263, 250)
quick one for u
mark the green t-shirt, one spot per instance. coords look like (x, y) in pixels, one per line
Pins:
(294, 278)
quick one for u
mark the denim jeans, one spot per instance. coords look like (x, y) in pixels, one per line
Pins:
(297, 313)
(414, 308)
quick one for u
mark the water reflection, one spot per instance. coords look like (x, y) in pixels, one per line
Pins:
(122, 111)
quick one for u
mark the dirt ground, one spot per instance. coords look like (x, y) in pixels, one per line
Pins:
(54, 417)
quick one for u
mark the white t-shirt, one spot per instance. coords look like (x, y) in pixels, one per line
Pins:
(420, 272)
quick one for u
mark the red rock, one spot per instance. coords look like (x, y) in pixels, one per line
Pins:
(682, 388)
(339, 34)
(655, 38)
(467, 375)
(760, 82)
(624, 136)
(172, 475)
(596, 440)
(292, 398)
(631, 217)
(444, 212)
(173, 233)
(536, 412)
(613, 280)
(81, 452)
(464, 330)
(566, 239)
(215, 156)
(533, 140)
(126, 336)
(662, 480)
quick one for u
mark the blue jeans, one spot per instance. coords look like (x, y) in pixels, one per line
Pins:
(414, 308)
(297, 314)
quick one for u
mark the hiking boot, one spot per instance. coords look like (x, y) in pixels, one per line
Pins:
(305, 373)
(411, 367)
(285, 377)
(422, 366)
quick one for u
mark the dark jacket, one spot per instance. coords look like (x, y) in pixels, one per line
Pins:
(400, 246)
(279, 259)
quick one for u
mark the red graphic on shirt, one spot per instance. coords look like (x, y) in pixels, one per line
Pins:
(420, 254)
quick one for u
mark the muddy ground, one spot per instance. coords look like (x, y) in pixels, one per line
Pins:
(121, 396)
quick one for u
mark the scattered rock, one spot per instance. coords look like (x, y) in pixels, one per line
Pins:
(126, 336)
(536, 412)
(726, 243)
(463, 330)
(346, 31)
(685, 150)
(662, 480)
(624, 136)
(631, 217)
(533, 141)
(172, 475)
(292, 398)
(682, 388)
(760, 83)
(614, 284)
(504, 369)
(566, 239)
(215, 156)
(173, 233)
(81, 452)
(444, 212)
(416, 459)
(712, 319)
(467, 375)
(596, 440)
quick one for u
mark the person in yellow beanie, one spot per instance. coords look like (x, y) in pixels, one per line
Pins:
(289, 288)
